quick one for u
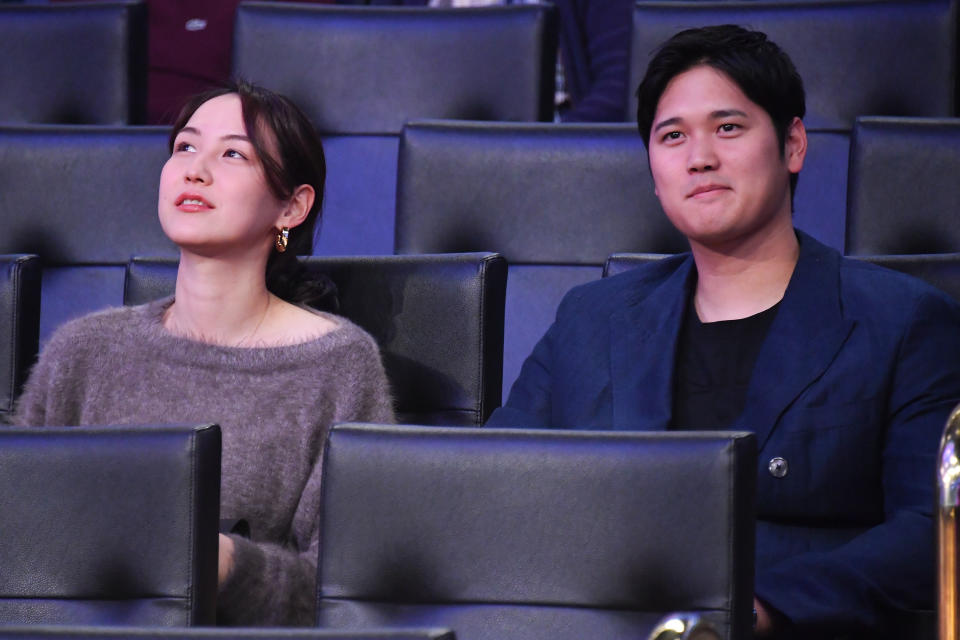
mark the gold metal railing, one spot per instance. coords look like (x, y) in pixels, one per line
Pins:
(948, 479)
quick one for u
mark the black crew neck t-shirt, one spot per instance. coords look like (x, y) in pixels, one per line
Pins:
(715, 361)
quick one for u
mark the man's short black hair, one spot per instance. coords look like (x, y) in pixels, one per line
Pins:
(761, 69)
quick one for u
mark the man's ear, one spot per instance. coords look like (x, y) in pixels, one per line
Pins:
(298, 206)
(795, 145)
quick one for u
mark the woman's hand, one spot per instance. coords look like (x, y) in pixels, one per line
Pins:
(225, 561)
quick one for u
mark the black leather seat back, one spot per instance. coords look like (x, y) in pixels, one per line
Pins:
(617, 263)
(438, 321)
(535, 534)
(109, 525)
(83, 198)
(887, 57)
(74, 63)
(904, 186)
(81, 195)
(370, 69)
(537, 193)
(19, 325)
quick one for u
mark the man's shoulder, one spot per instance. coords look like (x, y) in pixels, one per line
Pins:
(877, 289)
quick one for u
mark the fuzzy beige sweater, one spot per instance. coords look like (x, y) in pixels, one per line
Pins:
(275, 406)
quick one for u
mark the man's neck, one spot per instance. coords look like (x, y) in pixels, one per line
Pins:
(743, 280)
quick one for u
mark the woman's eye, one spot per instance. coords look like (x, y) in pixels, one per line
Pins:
(673, 135)
(729, 127)
(183, 146)
(233, 153)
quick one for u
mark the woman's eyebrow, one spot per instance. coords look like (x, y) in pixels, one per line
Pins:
(229, 136)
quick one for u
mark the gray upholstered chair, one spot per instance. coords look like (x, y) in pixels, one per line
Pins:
(904, 193)
(536, 534)
(74, 63)
(370, 69)
(84, 199)
(856, 57)
(109, 525)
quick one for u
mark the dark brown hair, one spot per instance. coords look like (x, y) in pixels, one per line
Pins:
(291, 154)
(762, 70)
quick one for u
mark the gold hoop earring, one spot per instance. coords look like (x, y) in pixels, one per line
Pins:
(283, 237)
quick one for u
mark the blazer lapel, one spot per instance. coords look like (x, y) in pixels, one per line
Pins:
(803, 339)
(643, 339)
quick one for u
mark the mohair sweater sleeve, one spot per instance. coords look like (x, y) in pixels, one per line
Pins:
(275, 584)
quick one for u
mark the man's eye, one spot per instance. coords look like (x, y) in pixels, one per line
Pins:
(729, 127)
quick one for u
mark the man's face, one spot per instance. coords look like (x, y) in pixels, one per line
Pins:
(719, 171)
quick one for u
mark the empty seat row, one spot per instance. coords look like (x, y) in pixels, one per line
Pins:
(528, 534)
(554, 200)
(359, 69)
(437, 319)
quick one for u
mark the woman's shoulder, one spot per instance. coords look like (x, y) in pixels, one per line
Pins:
(331, 331)
(108, 324)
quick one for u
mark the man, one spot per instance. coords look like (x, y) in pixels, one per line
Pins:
(846, 372)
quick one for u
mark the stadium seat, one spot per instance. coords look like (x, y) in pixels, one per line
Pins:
(903, 191)
(555, 200)
(83, 198)
(74, 63)
(536, 534)
(881, 57)
(370, 69)
(109, 525)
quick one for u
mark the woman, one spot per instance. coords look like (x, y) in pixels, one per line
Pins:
(235, 345)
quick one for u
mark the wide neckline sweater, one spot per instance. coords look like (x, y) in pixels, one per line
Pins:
(275, 406)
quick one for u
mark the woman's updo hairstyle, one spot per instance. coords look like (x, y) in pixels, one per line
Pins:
(291, 154)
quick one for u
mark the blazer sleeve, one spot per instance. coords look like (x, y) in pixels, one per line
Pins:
(530, 401)
(890, 566)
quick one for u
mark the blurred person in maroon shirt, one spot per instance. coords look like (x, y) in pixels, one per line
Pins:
(190, 44)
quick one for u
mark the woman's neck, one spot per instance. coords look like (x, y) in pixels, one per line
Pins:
(219, 302)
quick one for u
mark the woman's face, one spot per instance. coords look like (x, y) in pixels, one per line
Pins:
(214, 199)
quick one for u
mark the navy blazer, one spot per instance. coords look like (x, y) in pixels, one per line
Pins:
(852, 388)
